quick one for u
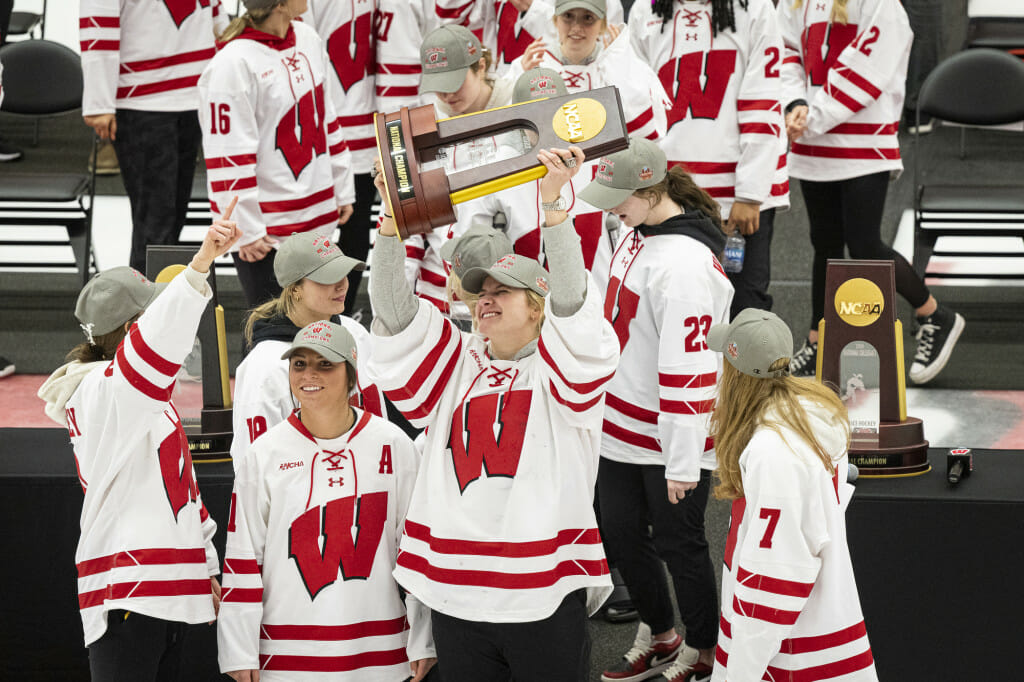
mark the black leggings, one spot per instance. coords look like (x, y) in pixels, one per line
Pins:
(849, 213)
(137, 647)
(634, 502)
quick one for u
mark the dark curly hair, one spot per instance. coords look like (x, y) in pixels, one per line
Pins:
(722, 14)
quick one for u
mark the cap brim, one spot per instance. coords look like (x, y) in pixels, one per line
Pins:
(581, 4)
(316, 348)
(717, 336)
(602, 196)
(336, 270)
(473, 280)
(445, 81)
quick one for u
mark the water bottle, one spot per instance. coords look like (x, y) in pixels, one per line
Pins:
(735, 245)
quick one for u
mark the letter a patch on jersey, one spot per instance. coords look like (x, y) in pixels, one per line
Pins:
(488, 431)
(341, 536)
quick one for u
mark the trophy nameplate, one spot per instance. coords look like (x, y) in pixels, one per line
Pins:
(209, 436)
(860, 353)
(430, 165)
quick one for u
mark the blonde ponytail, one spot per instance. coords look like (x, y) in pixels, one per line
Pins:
(283, 305)
(251, 18)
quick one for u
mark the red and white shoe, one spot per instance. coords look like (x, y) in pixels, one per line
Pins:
(686, 668)
(646, 659)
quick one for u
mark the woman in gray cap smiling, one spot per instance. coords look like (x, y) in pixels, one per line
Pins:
(501, 541)
(146, 561)
(317, 515)
(790, 608)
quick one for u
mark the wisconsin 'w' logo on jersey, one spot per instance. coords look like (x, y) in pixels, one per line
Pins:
(182, 9)
(348, 530)
(825, 42)
(301, 135)
(176, 468)
(352, 50)
(511, 43)
(488, 432)
(682, 78)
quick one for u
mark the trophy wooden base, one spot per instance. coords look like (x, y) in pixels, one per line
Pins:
(898, 449)
(210, 439)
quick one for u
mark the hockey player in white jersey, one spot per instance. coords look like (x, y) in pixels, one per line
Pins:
(140, 64)
(400, 29)
(349, 34)
(720, 62)
(312, 272)
(501, 539)
(317, 514)
(271, 136)
(666, 288)
(790, 609)
(146, 561)
(843, 74)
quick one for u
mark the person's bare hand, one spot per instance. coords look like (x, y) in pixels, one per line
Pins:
(562, 165)
(245, 675)
(257, 250)
(388, 227)
(745, 217)
(533, 54)
(796, 122)
(105, 125)
(610, 34)
(344, 213)
(421, 667)
(677, 489)
(219, 239)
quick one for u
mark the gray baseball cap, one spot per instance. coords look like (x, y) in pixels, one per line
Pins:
(260, 4)
(753, 341)
(538, 83)
(326, 338)
(598, 7)
(513, 270)
(641, 165)
(312, 256)
(446, 55)
(480, 246)
(113, 297)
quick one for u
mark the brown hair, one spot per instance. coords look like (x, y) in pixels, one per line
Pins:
(840, 15)
(251, 18)
(741, 406)
(284, 305)
(681, 188)
(488, 63)
(102, 347)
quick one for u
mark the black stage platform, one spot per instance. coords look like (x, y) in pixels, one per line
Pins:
(935, 565)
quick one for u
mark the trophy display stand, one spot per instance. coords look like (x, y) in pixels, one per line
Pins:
(860, 353)
(413, 147)
(209, 437)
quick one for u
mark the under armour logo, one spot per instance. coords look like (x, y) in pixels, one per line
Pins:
(691, 36)
(499, 377)
(335, 481)
(820, 6)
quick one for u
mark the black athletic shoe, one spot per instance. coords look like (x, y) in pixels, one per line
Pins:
(805, 362)
(936, 338)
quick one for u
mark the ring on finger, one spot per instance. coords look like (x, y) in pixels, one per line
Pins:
(570, 162)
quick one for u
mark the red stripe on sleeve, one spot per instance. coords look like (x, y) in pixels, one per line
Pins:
(335, 633)
(535, 548)
(287, 229)
(99, 22)
(827, 671)
(141, 557)
(158, 87)
(174, 60)
(139, 382)
(150, 356)
(362, 143)
(581, 388)
(860, 81)
(98, 45)
(338, 148)
(575, 407)
(630, 437)
(451, 12)
(435, 394)
(235, 185)
(687, 406)
(241, 566)
(500, 580)
(765, 613)
(399, 69)
(397, 91)
(759, 129)
(705, 167)
(844, 99)
(756, 104)
(864, 129)
(640, 121)
(243, 595)
(285, 205)
(631, 410)
(333, 664)
(788, 588)
(230, 161)
(358, 120)
(146, 588)
(803, 645)
(687, 380)
(870, 153)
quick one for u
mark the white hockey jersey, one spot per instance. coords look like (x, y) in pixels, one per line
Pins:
(263, 395)
(147, 540)
(348, 32)
(790, 609)
(501, 526)
(271, 135)
(308, 592)
(644, 100)
(853, 78)
(145, 55)
(725, 123)
(664, 294)
(400, 31)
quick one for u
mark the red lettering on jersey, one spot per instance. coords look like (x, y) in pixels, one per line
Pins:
(334, 523)
(352, 53)
(176, 468)
(385, 461)
(182, 9)
(589, 226)
(69, 414)
(257, 427)
(696, 340)
(382, 24)
(682, 80)
(511, 43)
(739, 506)
(488, 431)
(302, 132)
(620, 304)
(838, 36)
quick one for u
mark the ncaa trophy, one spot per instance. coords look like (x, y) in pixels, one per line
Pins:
(860, 353)
(429, 165)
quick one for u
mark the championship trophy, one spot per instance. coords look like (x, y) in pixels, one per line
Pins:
(860, 353)
(429, 165)
(209, 437)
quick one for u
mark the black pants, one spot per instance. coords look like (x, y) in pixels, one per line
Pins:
(354, 239)
(556, 649)
(259, 284)
(751, 283)
(157, 153)
(137, 649)
(849, 213)
(634, 501)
